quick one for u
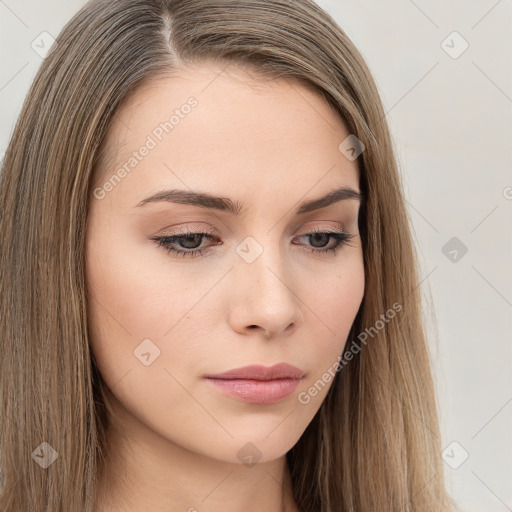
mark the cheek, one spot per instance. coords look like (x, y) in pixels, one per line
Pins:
(129, 297)
(335, 299)
(346, 297)
(137, 337)
(138, 304)
(333, 308)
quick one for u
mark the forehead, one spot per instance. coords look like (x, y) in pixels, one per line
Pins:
(223, 127)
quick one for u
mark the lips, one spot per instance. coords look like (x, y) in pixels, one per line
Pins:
(260, 372)
(257, 384)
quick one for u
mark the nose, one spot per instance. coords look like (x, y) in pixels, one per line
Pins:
(264, 299)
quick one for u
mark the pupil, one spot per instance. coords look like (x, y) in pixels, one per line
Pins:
(197, 239)
(316, 236)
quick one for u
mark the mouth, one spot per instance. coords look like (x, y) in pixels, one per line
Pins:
(257, 384)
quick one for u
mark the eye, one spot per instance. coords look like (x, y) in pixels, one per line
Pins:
(188, 243)
(321, 238)
(190, 247)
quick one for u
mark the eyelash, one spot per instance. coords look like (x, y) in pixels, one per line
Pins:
(342, 238)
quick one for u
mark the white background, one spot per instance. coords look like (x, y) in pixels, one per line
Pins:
(451, 119)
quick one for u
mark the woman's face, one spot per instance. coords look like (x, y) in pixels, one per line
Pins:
(161, 321)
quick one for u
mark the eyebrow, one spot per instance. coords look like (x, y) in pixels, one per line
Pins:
(225, 204)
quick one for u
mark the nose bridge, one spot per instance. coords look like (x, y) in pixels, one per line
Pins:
(264, 295)
(260, 260)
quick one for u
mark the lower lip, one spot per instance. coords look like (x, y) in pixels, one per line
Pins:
(256, 391)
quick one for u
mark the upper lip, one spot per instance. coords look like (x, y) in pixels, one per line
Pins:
(260, 372)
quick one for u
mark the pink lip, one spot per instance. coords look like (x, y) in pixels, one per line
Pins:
(258, 384)
(260, 372)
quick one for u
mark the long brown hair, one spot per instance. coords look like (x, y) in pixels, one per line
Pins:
(375, 442)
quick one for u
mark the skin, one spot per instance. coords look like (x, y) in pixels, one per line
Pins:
(268, 144)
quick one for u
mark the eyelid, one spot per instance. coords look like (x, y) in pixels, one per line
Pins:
(321, 228)
(186, 229)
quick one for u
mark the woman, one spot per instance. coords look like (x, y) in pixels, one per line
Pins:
(210, 290)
